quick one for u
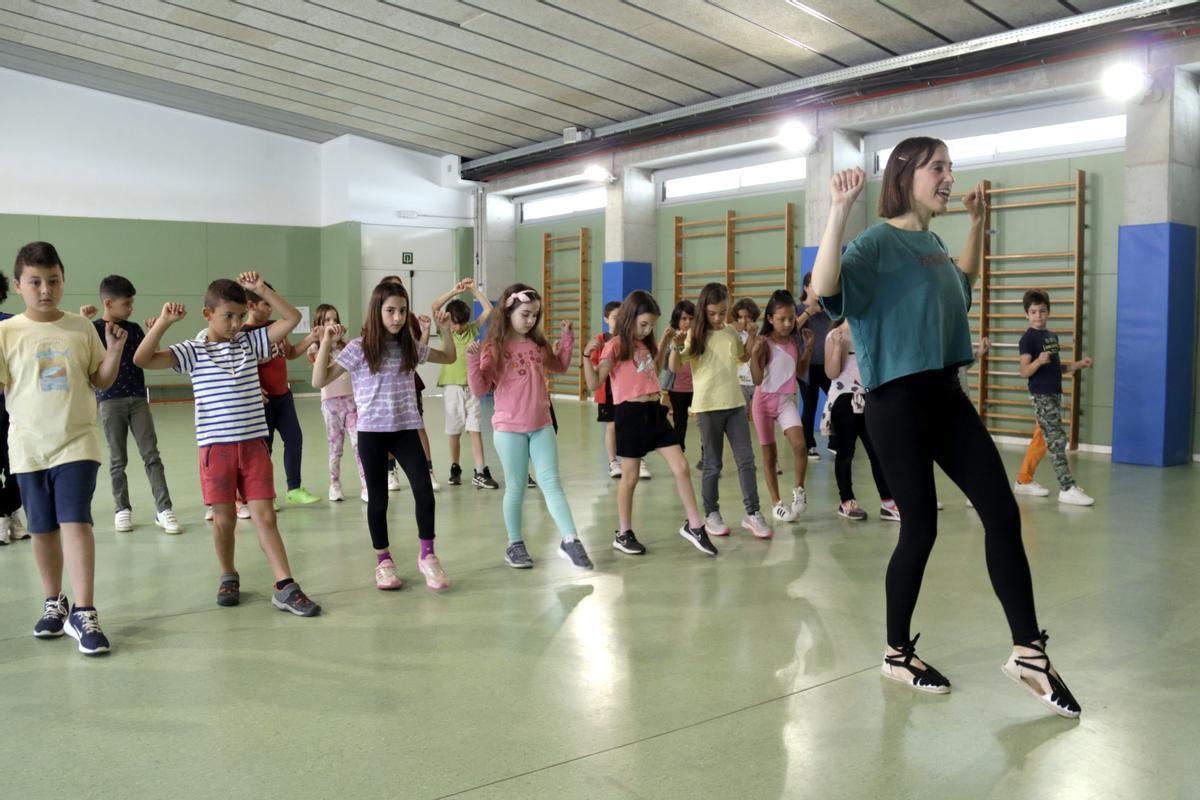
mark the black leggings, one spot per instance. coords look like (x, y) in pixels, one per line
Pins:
(680, 403)
(810, 391)
(915, 422)
(848, 426)
(373, 451)
(10, 493)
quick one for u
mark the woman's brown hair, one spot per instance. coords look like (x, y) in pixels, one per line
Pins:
(636, 303)
(500, 322)
(376, 337)
(710, 295)
(895, 196)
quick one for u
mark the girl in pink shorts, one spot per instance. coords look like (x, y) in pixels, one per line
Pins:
(777, 356)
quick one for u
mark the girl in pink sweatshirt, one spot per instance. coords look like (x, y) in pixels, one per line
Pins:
(511, 362)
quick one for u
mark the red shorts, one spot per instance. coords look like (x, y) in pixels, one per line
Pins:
(237, 468)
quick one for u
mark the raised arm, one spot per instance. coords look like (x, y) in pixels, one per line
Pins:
(289, 317)
(481, 377)
(836, 349)
(148, 355)
(972, 254)
(566, 343)
(845, 186)
(106, 374)
(485, 305)
(453, 292)
(325, 369)
(594, 375)
(301, 347)
(449, 352)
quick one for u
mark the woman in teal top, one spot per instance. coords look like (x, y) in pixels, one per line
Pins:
(906, 302)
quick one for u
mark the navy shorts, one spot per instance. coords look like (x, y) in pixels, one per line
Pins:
(57, 495)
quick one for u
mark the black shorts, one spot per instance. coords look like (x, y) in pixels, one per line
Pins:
(605, 412)
(642, 428)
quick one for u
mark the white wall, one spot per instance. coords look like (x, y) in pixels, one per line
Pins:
(70, 151)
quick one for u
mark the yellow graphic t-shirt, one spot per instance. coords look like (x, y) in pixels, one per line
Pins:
(45, 368)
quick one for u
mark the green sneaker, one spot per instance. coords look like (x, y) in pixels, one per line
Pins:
(302, 497)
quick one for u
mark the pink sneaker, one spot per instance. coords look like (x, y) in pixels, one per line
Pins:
(431, 568)
(386, 577)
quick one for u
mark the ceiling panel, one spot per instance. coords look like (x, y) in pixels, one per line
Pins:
(471, 77)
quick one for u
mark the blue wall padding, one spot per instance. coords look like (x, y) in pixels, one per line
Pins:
(1156, 344)
(621, 278)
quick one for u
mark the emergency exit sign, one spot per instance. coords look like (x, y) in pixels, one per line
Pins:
(407, 258)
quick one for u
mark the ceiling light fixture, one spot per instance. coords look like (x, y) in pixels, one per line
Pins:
(1127, 82)
(795, 136)
(597, 173)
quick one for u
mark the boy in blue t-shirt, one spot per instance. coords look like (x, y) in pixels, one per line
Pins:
(123, 408)
(1041, 365)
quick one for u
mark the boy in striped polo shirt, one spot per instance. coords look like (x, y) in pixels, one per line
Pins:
(231, 427)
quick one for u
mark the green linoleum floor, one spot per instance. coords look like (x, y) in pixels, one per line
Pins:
(754, 675)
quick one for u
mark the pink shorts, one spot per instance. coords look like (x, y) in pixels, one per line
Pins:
(769, 408)
(238, 468)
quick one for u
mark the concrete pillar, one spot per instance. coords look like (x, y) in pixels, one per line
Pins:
(1156, 274)
(497, 244)
(630, 227)
(838, 150)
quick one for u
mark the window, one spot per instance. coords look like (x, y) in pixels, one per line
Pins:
(561, 205)
(731, 180)
(1082, 135)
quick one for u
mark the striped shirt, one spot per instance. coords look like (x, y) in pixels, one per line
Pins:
(229, 401)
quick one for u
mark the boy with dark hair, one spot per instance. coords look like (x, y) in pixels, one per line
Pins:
(280, 405)
(462, 407)
(1041, 365)
(231, 425)
(124, 409)
(50, 362)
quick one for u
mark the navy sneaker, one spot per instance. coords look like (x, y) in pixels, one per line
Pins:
(516, 555)
(83, 625)
(54, 613)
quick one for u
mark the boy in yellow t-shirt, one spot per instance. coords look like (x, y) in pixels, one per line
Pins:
(51, 362)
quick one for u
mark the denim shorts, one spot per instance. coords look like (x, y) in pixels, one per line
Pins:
(60, 494)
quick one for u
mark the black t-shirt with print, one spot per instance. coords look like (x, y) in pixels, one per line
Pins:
(1048, 378)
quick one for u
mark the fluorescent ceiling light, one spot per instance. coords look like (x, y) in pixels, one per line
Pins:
(1125, 81)
(795, 135)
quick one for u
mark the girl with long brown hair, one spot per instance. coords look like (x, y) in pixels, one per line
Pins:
(632, 361)
(382, 364)
(512, 362)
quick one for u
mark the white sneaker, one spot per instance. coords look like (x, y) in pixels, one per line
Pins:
(614, 468)
(364, 495)
(335, 493)
(17, 527)
(783, 512)
(434, 481)
(1032, 488)
(243, 510)
(5, 530)
(208, 514)
(644, 471)
(715, 525)
(1075, 497)
(168, 521)
(124, 520)
(393, 481)
(756, 523)
(941, 506)
(799, 500)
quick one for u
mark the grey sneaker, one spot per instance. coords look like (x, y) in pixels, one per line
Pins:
(292, 598)
(517, 557)
(574, 552)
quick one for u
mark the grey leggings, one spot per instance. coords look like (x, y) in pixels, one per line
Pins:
(715, 426)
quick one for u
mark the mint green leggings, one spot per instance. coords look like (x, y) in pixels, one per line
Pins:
(515, 451)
